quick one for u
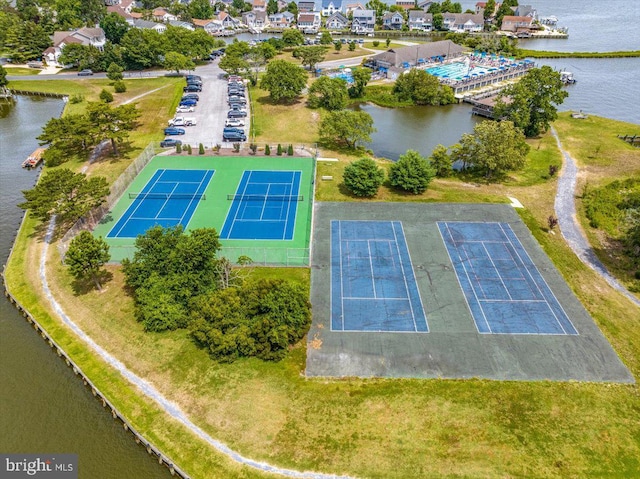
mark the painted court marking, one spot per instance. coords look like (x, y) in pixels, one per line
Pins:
(146, 212)
(373, 287)
(264, 206)
(505, 292)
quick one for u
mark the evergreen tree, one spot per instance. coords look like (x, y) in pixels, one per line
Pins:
(86, 257)
(411, 173)
(363, 177)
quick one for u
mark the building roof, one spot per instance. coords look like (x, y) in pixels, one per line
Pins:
(459, 18)
(306, 17)
(364, 13)
(516, 19)
(398, 56)
(201, 23)
(416, 14)
(338, 16)
(336, 3)
(139, 23)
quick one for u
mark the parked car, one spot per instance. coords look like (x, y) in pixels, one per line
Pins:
(172, 130)
(237, 99)
(183, 121)
(234, 122)
(234, 136)
(84, 73)
(195, 96)
(236, 114)
(168, 142)
(188, 102)
(192, 88)
(185, 109)
(193, 77)
(236, 93)
(229, 129)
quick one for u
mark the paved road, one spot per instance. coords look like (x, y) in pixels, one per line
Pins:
(565, 207)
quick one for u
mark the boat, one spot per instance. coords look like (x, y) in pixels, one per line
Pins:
(567, 78)
(34, 159)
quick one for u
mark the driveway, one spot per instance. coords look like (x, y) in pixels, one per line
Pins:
(211, 111)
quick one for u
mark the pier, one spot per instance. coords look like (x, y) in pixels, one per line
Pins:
(633, 140)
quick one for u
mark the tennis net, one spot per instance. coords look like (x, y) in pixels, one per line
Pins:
(265, 197)
(167, 196)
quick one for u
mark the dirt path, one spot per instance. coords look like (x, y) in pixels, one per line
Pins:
(565, 207)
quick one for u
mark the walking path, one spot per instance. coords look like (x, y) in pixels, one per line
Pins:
(565, 207)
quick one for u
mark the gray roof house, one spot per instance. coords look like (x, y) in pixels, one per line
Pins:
(309, 22)
(337, 21)
(305, 6)
(363, 21)
(526, 11)
(281, 20)
(392, 21)
(329, 7)
(181, 24)
(145, 24)
(463, 22)
(255, 19)
(397, 60)
(421, 21)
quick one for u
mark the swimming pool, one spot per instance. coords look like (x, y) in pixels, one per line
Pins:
(346, 76)
(457, 70)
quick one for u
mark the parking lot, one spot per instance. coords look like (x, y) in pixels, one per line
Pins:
(211, 111)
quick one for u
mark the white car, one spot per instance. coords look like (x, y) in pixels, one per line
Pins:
(182, 121)
(185, 109)
(234, 122)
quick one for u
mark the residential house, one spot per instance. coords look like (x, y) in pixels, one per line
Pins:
(181, 24)
(281, 20)
(227, 21)
(329, 7)
(118, 10)
(480, 7)
(424, 5)
(211, 26)
(255, 19)
(259, 6)
(406, 4)
(337, 21)
(363, 21)
(146, 24)
(392, 21)
(395, 61)
(526, 11)
(512, 23)
(420, 21)
(463, 22)
(83, 36)
(306, 6)
(309, 22)
(347, 8)
(162, 15)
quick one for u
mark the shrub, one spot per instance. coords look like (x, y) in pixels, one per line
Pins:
(106, 96)
(189, 149)
(267, 150)
(279, 150)
(179, 148)
(290, 150)
(375, 43)
(216, 148)
(553, 169)
(412, 172)
(77, 98)
(552, 221)
(387, 42)
(201, 149)
(120, 86)
(253, 148)
(352, 46)
(114, 72)
(236, 147)
(363, 177)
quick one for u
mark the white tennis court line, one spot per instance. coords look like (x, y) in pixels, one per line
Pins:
(202, 180)
(404, 275)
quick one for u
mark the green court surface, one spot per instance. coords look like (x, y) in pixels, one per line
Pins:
(212, 210)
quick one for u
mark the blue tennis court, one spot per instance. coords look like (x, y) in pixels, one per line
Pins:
(264, 206)
(504, 290)
(373, 287)
(168, 199)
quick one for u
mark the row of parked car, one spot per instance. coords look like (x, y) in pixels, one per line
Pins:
(234, 125)
(188, 104)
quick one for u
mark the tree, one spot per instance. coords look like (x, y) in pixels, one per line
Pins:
(489, 9)
(438, 20)
(412, 172)
(363, 177)
(329, 93)
(292, 7)
(441, 161)
(310, 56)
(361, 76)
(86, 256)
(114, 27)
(26, 41)
(234, 65)
(347, 127)
(379, 7)
(352, 46)
(142, 48)
(157, 308)
(325, 38)
(292, 37)
(113, 123)
(200, 9)
(114, 72)
(337, 46)
(283, 80)
(71, 134)
(119, 86)
(176, 61)
(3, 77)
(66, 194)
(423, 89)
(82, 56)
(496, 147)
(533, 101)
(106, 96)
(272, 7)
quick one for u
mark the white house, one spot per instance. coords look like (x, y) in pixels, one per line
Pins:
(281, 20)
(349, 7)
(463, 22)
(363, 22)
(181, 24)
(512, 23)
(420, 21)
(255, 19)
(210, 26)
(337, 21)
(162, 15)
(145, 24)
(83, 36)
(392, 21)
(329, 7)
(309, 22)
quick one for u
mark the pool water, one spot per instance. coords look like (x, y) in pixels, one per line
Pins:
(348, 77)
(457, 70)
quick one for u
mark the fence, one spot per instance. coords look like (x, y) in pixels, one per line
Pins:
(117, 189)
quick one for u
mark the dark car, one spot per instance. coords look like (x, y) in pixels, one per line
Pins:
(192, 88)
(167, 142)
(234, 136)
(233, 129)
(85, 73)
(174, 131)
(189, 102)
(235, 92)
(195, 96)
(236, 114)
(237, 99)
(193, 77)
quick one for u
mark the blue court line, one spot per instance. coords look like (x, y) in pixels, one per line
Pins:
(144, 213)
(373, 287)
(272, 218)
(504, 290)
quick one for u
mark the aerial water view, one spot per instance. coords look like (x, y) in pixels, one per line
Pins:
(319, 239)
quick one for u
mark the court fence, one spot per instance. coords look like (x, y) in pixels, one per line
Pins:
(91, 219)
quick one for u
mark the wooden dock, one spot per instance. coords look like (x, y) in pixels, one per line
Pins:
(633, 140)
(34, 159)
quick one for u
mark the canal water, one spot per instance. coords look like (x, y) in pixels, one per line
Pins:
(44, 408)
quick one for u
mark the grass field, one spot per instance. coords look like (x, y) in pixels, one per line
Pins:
(369, 427)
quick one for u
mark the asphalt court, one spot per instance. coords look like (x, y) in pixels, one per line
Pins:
(264, 206)
(522, 334)
(504, 290)
(372, 283)
(168, 199)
